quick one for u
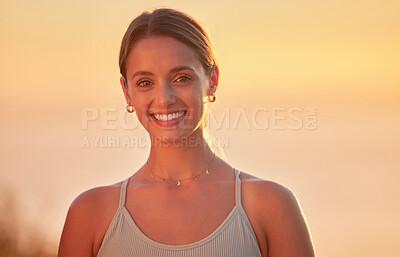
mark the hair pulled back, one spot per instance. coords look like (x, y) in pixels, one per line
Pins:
(172, 23)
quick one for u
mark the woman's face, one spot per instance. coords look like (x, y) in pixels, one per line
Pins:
(168, 87)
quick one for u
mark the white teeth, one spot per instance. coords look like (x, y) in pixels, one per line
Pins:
(168, 117)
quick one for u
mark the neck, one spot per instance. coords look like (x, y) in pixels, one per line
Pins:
(180, 159)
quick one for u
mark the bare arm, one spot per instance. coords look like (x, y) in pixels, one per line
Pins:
(77, 237)
(285, 226)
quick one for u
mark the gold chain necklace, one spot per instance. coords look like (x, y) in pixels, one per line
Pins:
(178, 181)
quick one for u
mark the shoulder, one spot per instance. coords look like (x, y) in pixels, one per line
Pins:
(94, 209)
(92, 205)
(271, 194)
(95, 198)
(88, 218)
(268, 202)
(276, 212)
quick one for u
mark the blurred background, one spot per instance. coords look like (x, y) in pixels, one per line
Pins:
(308, 97)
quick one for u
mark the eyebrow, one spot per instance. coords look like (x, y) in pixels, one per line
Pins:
(176, 69)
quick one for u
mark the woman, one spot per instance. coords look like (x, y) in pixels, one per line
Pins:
(185, 200)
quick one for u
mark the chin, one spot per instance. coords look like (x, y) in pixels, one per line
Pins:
(184, 138)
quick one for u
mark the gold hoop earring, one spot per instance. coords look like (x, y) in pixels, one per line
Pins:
(129, 108)
(211, 98)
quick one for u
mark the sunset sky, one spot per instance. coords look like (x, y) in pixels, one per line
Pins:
(335, 64)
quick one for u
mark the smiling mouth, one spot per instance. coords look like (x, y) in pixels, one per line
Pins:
(168, 117)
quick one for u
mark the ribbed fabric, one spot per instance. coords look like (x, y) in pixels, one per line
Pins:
(233, 238)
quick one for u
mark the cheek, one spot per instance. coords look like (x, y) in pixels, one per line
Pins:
(195, 98)
(199, 108)
(140, 107)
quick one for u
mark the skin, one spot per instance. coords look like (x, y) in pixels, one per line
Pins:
(195, 209)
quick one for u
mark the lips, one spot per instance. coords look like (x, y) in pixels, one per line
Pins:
(166, 119)
(165, 112)
(169, 116)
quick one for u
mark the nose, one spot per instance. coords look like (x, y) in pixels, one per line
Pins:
(164, 95)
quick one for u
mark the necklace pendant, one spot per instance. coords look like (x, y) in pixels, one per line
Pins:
(178, 183)
(207, 172)
(152, 175)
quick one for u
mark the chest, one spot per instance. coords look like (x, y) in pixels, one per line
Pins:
(180, 217)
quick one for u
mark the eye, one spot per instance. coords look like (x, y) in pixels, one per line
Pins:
(143, 83)
(183, 79)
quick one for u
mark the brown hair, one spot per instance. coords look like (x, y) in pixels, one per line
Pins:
(168, 22)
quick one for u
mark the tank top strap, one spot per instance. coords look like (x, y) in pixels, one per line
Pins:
(122, 195)
(238, 188)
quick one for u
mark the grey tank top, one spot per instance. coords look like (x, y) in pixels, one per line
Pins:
(233, 238)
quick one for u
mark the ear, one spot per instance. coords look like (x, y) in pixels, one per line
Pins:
(214, 78)
(124, 85)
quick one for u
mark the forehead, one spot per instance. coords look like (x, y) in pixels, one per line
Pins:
(161, 53)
